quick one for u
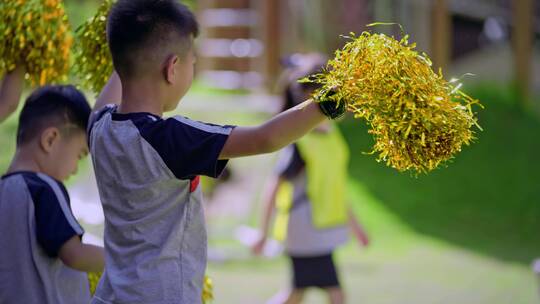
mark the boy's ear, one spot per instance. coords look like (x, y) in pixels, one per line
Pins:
(48, 138)
(169, 69)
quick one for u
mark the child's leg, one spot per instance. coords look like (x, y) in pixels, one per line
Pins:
(335, 295)
(295, 296)
(288, 297)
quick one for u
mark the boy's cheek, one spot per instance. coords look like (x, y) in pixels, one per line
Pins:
(69, 167)
(75, 165)
(65, 173)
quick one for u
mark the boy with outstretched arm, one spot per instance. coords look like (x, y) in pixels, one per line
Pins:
(147, 167)
(43, 259)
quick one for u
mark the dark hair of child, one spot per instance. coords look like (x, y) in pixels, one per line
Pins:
(138, 29)
(61, 106)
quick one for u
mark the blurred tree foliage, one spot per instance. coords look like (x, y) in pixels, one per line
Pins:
(317, 24)
(80, 10)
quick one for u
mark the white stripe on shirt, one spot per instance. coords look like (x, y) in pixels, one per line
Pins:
(63, 203)
(204, 127)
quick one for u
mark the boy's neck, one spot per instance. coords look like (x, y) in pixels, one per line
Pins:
(24, 161)
(141, 96)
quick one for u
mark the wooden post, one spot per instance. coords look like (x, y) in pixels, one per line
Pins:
(354, 16)
(383, 13)
(272, 41)
(441, 35)
(522, 43)
(416, 19)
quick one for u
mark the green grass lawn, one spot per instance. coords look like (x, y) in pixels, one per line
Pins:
(8, 131)
(400, 266)
(80, 11)
(486, 200)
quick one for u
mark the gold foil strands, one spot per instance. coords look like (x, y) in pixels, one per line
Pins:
(93, 279)
(417, 118)
(35, 34)
(207, 290)
(93, 63)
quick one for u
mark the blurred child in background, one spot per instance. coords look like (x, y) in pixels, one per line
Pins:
(308, 191)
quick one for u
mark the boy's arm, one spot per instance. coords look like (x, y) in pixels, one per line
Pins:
(357, 229)
(269, 206)
(275, 134)
(10, 92)
(111, 93)
(82, 257)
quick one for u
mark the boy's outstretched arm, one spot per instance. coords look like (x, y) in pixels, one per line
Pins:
(82, 257)
(274, 134)
(269, 203)
(10, 92)
(111, 93)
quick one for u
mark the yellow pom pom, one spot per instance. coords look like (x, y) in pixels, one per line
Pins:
(207, 293)
(417, 118)
(93, 279)
(93, 63)
(36, 35)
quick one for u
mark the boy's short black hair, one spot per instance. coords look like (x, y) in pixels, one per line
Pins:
(138, 30)
(58, 106)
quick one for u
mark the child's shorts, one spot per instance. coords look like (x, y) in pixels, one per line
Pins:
(316, 271)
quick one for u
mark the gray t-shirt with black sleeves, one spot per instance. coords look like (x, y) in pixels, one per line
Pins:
(147, 170)
(35, 222)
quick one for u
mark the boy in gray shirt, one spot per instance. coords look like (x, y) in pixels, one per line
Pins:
(148, 167)
(42, 258)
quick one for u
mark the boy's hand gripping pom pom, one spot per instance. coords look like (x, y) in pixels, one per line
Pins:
(328, 104)
(417, 118)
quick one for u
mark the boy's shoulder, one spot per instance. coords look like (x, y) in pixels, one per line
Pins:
(50, 202)
(98, 114)
(37, 183)
(144, 120)
(187, 147)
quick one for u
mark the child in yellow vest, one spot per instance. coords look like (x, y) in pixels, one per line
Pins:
(308, 192)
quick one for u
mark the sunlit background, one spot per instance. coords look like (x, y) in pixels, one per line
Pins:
(465, 233)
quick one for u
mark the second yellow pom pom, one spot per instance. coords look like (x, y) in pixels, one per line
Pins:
(93, 63)
(35, 34)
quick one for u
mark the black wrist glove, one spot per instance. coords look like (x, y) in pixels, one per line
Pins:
(331, 107)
